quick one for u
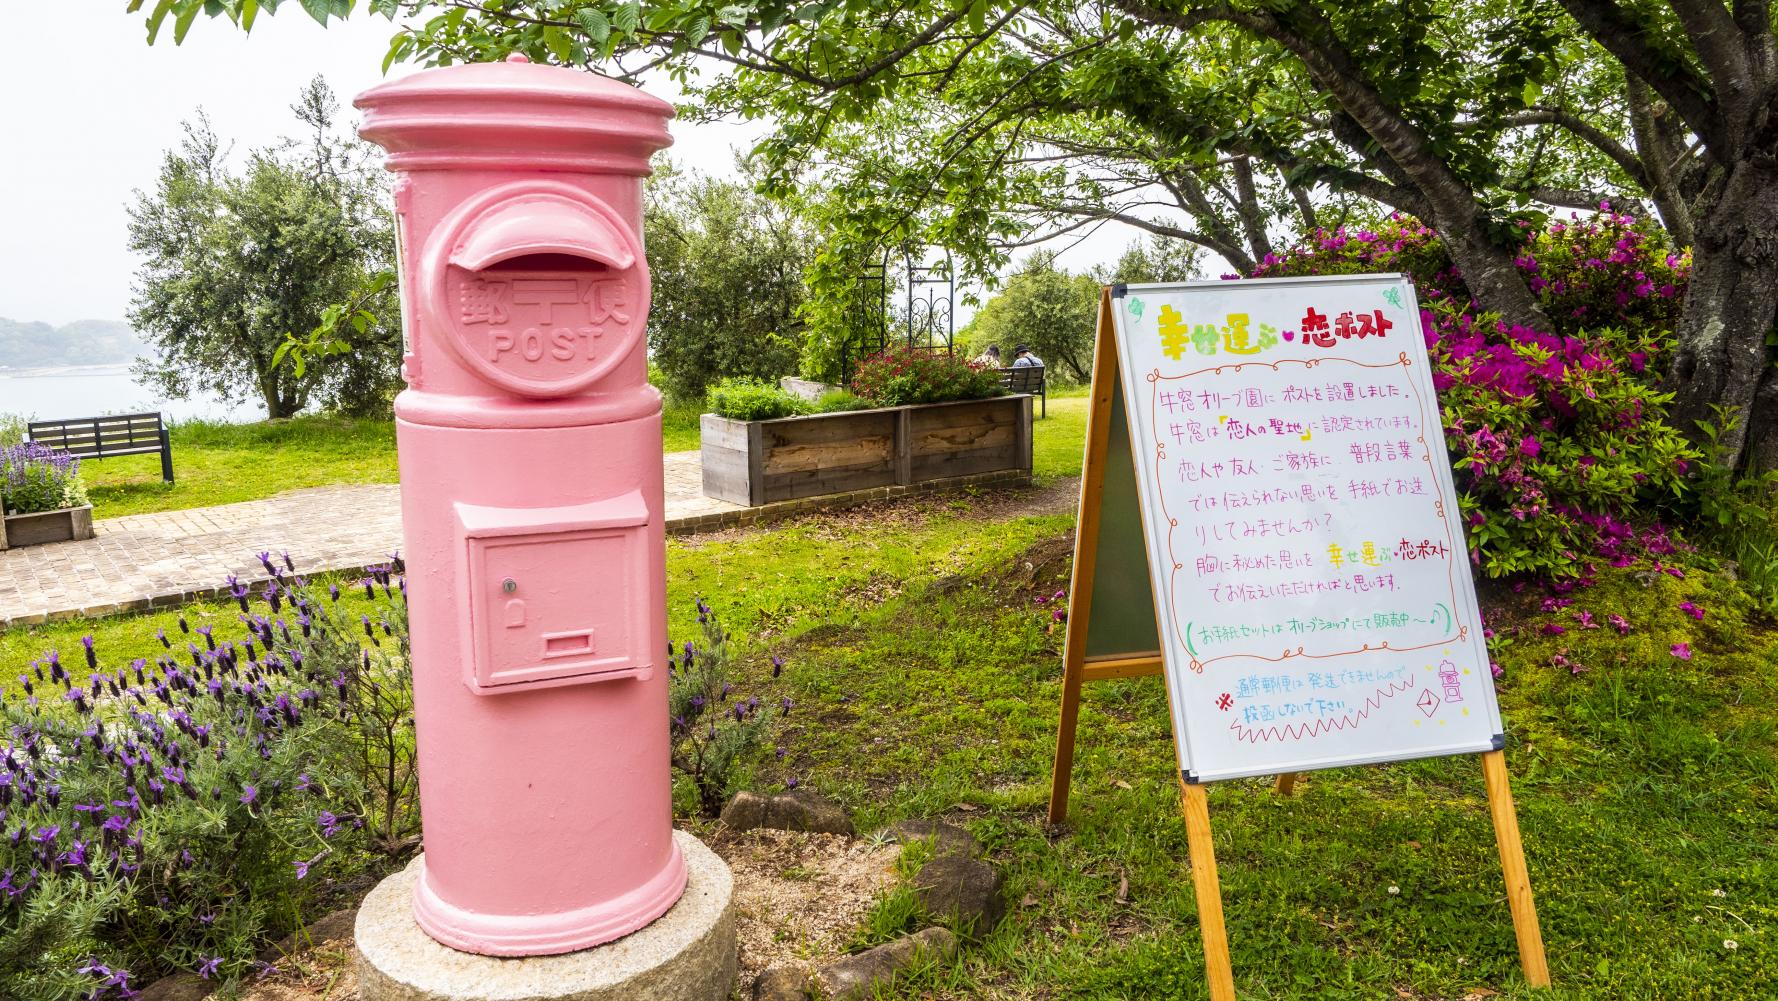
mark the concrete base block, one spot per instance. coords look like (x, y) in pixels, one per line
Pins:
(687, 954)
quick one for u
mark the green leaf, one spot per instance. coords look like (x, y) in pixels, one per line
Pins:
(249, 13)
(594, 22)
(318, 9)
(559, 44)
(978, 16)
(183, 23)
(628, 17)
(156, 16)
(699, 29)
(399, 47)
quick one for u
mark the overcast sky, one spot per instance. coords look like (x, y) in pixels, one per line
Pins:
(87, 122)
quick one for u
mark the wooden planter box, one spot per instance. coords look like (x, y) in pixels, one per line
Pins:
(64, 525)
(758, 462)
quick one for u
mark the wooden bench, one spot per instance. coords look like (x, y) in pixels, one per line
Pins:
(1026, 379)
(104, 437)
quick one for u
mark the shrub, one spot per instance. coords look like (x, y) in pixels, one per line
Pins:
(1741, 514)
(172, 815)
(752, 400)
(903, 376)
(715, 731)
(35, 477)
(1557, 438)
(12, 428)
(840, 401)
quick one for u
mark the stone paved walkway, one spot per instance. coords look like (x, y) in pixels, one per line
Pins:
(149, 560)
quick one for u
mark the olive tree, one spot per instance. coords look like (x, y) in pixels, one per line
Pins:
(236, 260)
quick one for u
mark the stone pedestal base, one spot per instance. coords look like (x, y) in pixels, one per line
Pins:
(687, 954)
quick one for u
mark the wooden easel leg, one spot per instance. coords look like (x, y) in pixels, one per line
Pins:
(1217, 969)
(1286, 783)
(1062, 772)
(1512, 865)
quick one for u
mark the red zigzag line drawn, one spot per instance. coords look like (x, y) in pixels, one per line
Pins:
(1297, 731)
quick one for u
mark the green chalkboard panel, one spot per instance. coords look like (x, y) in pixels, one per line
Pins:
(1122, 619)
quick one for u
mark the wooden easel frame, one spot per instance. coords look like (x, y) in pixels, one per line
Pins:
(1078, 668)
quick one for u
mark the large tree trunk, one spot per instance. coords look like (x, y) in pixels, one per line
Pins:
(1722, 358)
(1489, 272)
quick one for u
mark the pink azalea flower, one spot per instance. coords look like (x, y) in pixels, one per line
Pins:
(1551, 629)
(1618, 622)
(1692, 610)
(1586, 620)
(1682, 650)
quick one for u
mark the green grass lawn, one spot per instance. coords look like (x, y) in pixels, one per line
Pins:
(926, 677)
(215, 463)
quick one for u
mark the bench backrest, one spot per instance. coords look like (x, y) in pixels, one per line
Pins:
(1023, 379)
(96, 437)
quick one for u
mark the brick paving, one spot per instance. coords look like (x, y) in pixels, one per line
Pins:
(144, 561)
(171, 557)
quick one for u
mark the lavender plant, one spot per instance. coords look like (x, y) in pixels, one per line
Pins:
(35, 477)
(168, 815)
(716, 731)
(376, 701)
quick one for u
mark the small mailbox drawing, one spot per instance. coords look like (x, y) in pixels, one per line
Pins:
(537, 618)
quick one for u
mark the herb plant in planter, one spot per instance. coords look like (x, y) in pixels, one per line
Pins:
(42, 497)
(911, 417)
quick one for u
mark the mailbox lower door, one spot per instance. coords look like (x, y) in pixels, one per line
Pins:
(545, 789)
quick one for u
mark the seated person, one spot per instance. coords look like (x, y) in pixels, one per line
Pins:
(1023, 358)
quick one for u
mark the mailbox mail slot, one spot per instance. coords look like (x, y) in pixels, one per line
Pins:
(540, 288)
(537, 616)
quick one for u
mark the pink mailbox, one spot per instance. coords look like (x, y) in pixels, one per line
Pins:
(530, 453)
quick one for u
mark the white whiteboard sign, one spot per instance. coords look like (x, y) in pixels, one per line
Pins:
(1310, 575)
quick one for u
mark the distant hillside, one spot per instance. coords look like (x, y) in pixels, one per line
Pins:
(83, 342)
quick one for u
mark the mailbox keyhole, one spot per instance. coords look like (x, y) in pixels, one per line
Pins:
(509, 585)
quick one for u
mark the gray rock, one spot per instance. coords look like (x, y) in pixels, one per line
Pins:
(947, 839)
(859, 976)
(329, 928)
(803, 810)
(782, 983)
(964, 892)
(745, 811)
(178, 987)
(796, 810)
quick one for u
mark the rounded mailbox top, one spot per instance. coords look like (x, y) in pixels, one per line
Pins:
(514, 114)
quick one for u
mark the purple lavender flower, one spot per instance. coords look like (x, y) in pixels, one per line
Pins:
(209, 967)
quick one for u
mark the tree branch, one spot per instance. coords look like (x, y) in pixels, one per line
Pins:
(1592, 135)
(1686, 91)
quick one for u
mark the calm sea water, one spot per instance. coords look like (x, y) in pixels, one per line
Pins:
(96, 390)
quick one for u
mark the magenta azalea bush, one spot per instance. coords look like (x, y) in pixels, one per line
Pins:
(1558, 437)
(901, 376)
